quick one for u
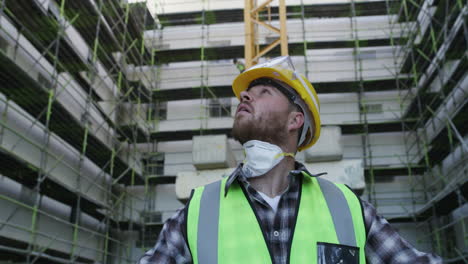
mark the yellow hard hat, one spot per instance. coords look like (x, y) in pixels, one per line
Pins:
(281, 69)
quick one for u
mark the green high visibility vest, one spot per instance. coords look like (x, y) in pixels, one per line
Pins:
(225, 229)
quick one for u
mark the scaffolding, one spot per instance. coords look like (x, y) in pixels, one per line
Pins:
(71, 122)
(89, 134)
(434, 55)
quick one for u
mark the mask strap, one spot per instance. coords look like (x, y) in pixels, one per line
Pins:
(289, 154)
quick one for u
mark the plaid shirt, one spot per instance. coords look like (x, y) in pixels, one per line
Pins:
(384, 244)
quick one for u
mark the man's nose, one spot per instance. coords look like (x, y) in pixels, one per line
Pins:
(245, 96)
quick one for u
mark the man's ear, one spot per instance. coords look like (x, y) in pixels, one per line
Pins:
(295, 121)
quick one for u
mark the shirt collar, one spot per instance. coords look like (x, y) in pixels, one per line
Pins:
(299, 168)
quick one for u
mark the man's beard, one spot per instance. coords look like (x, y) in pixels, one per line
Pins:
(271, 130)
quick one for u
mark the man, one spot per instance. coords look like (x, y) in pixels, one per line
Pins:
(271, 209)
(239, 65)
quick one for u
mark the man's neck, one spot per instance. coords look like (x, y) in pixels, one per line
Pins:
(276, 180)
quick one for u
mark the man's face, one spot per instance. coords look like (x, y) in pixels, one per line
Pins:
(262, 115)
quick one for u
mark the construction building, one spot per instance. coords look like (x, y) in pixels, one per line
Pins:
(112, 110)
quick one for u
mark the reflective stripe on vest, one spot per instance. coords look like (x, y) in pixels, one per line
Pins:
(207, 202)
(339, 210)
(207, 239)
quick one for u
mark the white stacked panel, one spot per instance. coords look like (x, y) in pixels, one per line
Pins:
(28, 54)
(448, 176)
(221, 122)
(343, 108)
(335, 109)
(339, 108)
(328, 146)
(186, 181)
(335, 65)
(133, 203)
(398, 196)
(192, 115)
(383, 68)
(181, 6)
(178, 125)
(233, 34)
(444, 75)
(212, 152)
(323, 65)
(195, 74)
(178, 155)
(390, 106)
(166, 200)
(460, 217)
(160, 198)
(349, 172)
(413, 141)
(52, 226)
(340, 29)
(179, 161)
(386, 149)
(133, 114)
(452, 104)
(74, 99)
(25, 139)
(183, 115)
(68, 93)
(101, 82)
(418, 237)
(352, 146)
(132, 156)
(110, 109)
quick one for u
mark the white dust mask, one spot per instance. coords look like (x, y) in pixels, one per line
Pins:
(261, 157)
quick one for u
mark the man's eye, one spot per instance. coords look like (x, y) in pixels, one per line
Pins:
(265, 91)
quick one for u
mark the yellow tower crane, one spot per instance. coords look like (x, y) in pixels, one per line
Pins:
(252, 20)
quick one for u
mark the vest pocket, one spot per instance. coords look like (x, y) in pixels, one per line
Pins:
(328, 253)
